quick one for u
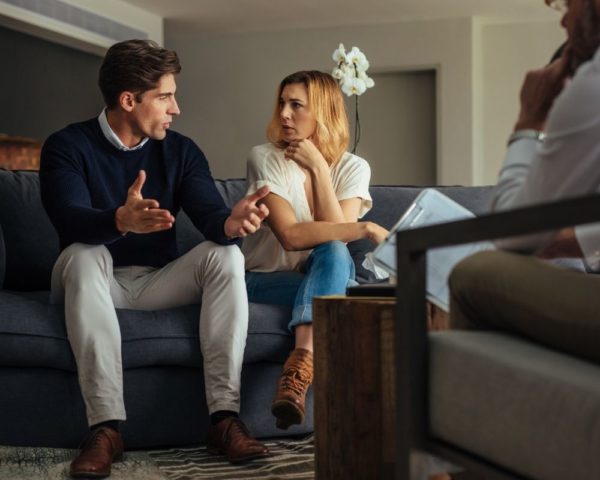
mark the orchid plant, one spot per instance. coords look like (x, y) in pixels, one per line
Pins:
(351, 74)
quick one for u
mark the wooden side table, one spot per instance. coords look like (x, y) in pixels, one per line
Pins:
(354, 397)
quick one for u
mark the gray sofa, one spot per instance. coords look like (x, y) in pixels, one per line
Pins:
(40, 403)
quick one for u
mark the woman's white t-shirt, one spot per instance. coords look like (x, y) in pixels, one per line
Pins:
(267, 166)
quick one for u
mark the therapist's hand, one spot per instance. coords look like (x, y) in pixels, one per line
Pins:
(540, 89)
(564, 245)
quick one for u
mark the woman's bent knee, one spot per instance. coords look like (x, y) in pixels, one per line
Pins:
(335, 252)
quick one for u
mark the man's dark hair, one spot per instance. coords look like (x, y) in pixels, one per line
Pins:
(585, 39)
(135, 66)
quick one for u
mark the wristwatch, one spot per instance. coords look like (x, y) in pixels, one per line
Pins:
(537, 135)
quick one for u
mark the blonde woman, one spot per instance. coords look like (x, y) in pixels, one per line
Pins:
(318, 193)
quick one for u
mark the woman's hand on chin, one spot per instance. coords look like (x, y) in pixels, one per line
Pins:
(305, 154)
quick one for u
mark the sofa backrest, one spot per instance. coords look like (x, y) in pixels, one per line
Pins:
(188, 236)
(29, 239)
(389, 203)
(29, 243)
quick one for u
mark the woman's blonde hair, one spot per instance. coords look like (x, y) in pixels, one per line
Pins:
(326, 103)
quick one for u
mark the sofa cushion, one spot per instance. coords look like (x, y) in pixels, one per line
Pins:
(516, 404)
(33, 334)
(30, 241)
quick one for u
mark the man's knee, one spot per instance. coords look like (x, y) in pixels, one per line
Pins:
(472, 270)
(469, 286)
(226, 259)
(82, 259)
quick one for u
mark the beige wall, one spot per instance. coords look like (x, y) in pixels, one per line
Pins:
(509, 51)
(398, 121)
(228, 82)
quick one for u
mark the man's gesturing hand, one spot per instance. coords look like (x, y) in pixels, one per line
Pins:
(140, 215)
(246, 216)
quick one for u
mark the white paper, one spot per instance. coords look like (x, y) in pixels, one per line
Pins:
(369, 264)
(431, 207)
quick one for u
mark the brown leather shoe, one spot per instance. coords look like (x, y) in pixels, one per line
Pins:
(288, 404)
(231, 438)
(102, 447)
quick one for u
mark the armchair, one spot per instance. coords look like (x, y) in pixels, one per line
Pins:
(441, 409)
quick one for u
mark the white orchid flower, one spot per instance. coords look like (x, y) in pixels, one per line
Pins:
(369, 82)
(358, 58)
(350, 71)
(339, 55)
(355, 86)
(346, 88)
(337, 73)
(351, 76)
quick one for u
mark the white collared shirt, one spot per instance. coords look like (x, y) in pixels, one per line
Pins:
(565, 165)
(113, 138)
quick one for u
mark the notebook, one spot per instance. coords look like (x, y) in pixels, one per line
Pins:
(430, 207)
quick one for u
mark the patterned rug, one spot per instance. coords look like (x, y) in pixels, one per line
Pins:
(289, 459)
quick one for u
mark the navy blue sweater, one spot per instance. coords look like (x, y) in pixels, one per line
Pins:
(84, 179)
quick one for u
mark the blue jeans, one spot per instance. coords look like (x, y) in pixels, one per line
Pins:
(329, 269)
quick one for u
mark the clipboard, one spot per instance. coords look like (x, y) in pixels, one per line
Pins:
(429, 208)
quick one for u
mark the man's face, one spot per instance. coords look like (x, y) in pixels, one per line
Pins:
(572, 16)
(580, 22)
(152, 115)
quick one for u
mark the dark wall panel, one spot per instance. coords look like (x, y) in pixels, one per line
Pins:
(44, 86)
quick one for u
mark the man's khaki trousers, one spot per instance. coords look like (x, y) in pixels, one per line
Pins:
(554, 306)
(84, 278)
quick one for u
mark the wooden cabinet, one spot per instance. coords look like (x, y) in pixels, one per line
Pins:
(354, 387)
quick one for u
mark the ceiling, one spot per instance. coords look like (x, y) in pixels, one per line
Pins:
(264, 15)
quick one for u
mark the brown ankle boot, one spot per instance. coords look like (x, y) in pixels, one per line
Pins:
(288, 404)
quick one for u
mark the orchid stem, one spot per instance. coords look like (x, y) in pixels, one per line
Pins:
(356, 125)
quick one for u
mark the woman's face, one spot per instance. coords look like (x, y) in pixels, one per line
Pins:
(296, 119)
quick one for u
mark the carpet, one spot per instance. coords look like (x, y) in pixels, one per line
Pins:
(289, 459)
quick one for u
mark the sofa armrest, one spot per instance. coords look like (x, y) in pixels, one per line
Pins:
(2, 258)
(411, 333)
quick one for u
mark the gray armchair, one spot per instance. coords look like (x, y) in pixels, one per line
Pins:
(500, 406)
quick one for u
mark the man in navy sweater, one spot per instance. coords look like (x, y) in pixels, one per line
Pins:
(112, 187)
